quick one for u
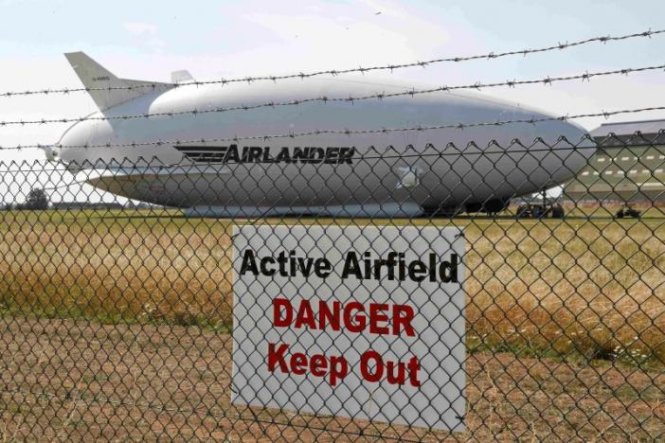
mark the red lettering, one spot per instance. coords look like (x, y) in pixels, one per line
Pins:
(395, 373)
(353, 316)
(354, 323)
(329, 316)
(305, 316)
(318, 365)
(276, 357)
(377, 315)
(403, 316)
(373, 368)
(298, 363)
(414, 367)
(339, 368)
(281, 306)
(365, 366)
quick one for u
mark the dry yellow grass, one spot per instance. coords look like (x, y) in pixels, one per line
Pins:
(116, 268)
(592, 288)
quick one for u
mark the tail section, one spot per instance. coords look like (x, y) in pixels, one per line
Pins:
(106, 89)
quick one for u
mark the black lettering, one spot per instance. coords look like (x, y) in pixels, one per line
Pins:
(283, 259)
(322, 267)
(221, 154)
(264, 266)
(292, 263)
(316, 155)
(352, 266)
(391, 263)
(417, 271)
(248, 263)
(245, 154)
(283, 156)
(267, 158)
(432, 267)
(232, 154)
(305, 265)
(300, 154)
(448, 270)
(377, 268)
(254, 154)
(332, 155)
(368, 264)
(346, 155)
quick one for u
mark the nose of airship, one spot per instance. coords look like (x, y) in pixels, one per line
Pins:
(54, 154)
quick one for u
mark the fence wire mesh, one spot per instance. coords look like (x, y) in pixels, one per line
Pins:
(126, 320)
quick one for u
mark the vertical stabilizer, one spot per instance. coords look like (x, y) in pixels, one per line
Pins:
(181, 77)
(106, 89)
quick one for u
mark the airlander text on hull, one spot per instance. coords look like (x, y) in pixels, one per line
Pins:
(258, 154)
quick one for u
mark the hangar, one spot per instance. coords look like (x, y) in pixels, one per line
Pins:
(627, 167)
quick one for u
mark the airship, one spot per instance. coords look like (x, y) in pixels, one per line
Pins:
(222, 150)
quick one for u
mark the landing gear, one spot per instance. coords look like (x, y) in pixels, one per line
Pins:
(546, 209)
(530, 210)
(627, 211)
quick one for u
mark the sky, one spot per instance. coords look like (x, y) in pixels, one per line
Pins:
(149, 39)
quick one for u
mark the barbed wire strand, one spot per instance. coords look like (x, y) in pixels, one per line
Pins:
(316, 132)
(362, 70)
(351, 99)
(325, 99)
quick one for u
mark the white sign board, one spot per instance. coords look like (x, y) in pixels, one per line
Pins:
(353, 321)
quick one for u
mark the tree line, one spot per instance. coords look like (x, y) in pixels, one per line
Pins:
(36, 200)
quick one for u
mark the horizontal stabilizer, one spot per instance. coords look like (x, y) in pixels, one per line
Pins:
(106, 89)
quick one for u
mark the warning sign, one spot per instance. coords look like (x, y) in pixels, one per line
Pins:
(353, 321)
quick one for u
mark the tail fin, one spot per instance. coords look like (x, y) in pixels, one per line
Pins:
(106, 89)
(181, 77)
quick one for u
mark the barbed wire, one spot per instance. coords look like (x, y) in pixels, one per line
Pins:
(351, 99)
(348, 132)
(362, 70)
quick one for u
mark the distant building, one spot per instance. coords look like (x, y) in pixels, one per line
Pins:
(627, 167)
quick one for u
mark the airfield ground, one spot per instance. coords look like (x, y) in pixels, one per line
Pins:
(119, 322)
(67, 380)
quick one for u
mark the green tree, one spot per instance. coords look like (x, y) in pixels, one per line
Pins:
(37, 199)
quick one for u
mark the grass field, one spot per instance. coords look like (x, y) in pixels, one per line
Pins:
(117, 324)
(578, 288)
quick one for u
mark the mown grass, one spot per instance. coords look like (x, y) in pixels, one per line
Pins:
(590, 289)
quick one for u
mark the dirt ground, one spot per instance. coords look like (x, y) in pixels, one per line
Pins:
(70, 380)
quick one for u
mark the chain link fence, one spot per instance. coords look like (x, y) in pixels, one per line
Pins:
(412, 295)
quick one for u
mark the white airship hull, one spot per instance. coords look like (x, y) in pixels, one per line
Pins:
(386, 173)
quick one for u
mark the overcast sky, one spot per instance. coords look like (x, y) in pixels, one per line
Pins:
(149, 39)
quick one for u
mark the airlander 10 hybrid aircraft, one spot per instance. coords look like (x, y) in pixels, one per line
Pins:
(401, 173)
